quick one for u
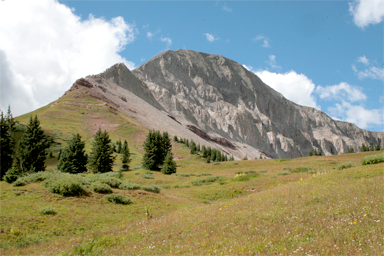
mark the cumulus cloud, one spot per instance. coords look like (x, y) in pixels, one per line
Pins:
(370, 71)
(295, 87)
(45, 47)
(263, 39)
(166, 40)
(367, 12)
(341, 91)
(211, 38)
(357, 114)
(272, 62)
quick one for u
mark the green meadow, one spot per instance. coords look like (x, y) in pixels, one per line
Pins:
(320, 205)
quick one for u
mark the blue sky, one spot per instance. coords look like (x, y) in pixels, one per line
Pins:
(323, 54)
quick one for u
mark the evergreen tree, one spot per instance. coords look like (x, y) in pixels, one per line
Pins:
(32, 148)
(169, 165)
(315, 153)
(218, 156)
(101, 157)
(156, 147)
(125, 158)
(193, 148)
(245, 158)
(7, 142)
(377, 148)
(198, 149)
(370, 148)
(175, 139)
(351, 150)
(363, 148)
(261, 157)
(204, 150)
(231, 158)
(213, 155)
(310, 153)
(118, 148)
(73, 158)
(319, 153)
(124, 147)
(187, 143)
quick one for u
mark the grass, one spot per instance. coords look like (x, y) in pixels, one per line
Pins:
(345, 165)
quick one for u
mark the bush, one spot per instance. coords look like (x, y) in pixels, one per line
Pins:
(19, 183)
(129, 186)
(151, 188)
(65, 187)
(208, 180)
(345, 165)
(106, 179)
(12, 174)
(262, 171)
(101, 188)
(375, 159)
(287, 168)
(147, 175)
(301, 169)
(245, 177)
(283, 173)
(47, 210)
(118, 199)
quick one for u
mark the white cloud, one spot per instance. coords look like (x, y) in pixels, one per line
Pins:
(150, 35)
(363, 60)
(166, 40)
(341, 91)
(45, 47)
(264, 39)
(211, 38)
(226, 8)
(357, 114)
(367, 12)
(295, 87)
(272, 62)
(370, 71)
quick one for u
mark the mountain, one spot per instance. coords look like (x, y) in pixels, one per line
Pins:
(217, 102)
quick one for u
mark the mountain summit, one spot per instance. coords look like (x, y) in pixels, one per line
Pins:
(217, 102)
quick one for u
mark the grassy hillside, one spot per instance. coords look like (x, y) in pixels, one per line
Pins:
(259, 207)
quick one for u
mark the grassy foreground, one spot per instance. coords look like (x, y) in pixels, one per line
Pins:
(259, 207)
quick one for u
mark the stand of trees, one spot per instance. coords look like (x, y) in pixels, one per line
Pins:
(210, 154)
(314, 153)
(156, 147)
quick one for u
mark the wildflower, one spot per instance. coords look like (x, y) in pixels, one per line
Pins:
(354, 222)
(220, 209)
(365, 215)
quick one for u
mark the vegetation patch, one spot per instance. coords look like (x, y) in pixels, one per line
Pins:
(147, 175)
(345, 165)
(282, 160)
(245, 177)
(301, 169)
(151, 188)
(283, 173)
(205, 181)
(118, 199)
(47, 210)
(101, 188)
(375, 159)
(65, 187)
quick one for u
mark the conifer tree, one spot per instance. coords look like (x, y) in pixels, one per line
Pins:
(73, 158)
(175, 139)
(351, 150)
(7, 142)
(101, 157)
(193, 147)
(377, 148)
(218, 156)
(125, 158)
(204, 151)
(310, 153)
(169, 165)
(118, 147)
(156, 147)
(231, 158)
(32, 148)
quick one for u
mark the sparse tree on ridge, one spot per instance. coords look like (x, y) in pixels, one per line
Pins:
(73, 158)
(101, 157)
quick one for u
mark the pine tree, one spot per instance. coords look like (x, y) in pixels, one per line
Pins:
(124, 147)
(125, 158)
(315, 153)
(193, 147)
(156, 147)
(118, 148)
(261, 157)
(231, 158)
(32, 148)
(218, 156)
(169, 165)
(204, 150)
(351, 150)
(73, 158)
(175, 139)
(101, 157)
(245, 158)
(310, 153)
(7, 142)
(377, 148)
(198, 149)
(213, 155)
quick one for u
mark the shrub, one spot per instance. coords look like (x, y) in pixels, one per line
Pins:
(106, 179)
(262, 171)
(282, 160)
(287, 168)
(65, 187)
(151, 188)
(283, 173)
(12, 174)
(19, 183)
(345, 165)
(129, 186)
(375, 159)
(216, 163)
(118, 199)
(147, 175)
(208, 180)
(301, 169)
(101, 188)
(245, 177)
(47, 210)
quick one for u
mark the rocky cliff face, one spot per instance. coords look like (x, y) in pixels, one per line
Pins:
(217, 102)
